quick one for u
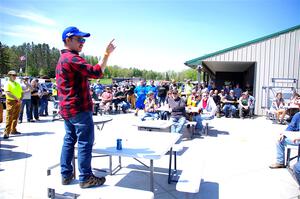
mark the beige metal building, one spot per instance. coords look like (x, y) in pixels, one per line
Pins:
(269, 64)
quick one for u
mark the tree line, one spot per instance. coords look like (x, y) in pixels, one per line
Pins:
(39, 60)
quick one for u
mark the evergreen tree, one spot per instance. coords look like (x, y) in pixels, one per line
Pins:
(4, 59)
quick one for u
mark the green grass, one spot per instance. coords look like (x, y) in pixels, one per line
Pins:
(103, 81)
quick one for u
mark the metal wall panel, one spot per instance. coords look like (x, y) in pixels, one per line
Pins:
(267, 69)
(231, 55)
(235, 55)
(253, 50)
(292, 56)
(297, 57)
(287, 54)
(271, 60)
(277, 57)
(244, 54)
(281, 55)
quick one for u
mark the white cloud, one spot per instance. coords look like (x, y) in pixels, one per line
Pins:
(28, 15)
(36, 34)
(158, 59)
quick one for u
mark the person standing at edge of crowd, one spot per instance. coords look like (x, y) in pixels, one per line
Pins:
(141, 93)
(1, 105)
(76, 106)
(34, 110)
(26, 101)
(13, 93)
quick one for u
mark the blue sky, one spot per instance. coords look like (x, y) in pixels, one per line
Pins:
(159, 34)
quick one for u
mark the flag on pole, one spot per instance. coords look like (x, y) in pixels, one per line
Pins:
(23, 58)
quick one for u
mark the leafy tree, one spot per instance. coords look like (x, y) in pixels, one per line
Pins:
(32, 71)
(42, 60)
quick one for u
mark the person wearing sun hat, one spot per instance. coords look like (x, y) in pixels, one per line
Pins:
(76, 106)
(13, 94)
(151, 106)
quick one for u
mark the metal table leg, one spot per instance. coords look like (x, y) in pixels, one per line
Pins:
(151, 176)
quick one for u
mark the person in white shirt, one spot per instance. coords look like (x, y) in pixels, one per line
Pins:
(207, 110)
(26, 100)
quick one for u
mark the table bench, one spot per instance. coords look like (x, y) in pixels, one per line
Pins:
(72, 191)
(189, 181)
(154, 125)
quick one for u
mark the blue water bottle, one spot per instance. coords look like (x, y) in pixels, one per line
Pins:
(119, 144)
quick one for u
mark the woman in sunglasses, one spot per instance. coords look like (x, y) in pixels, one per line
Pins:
(76, 106)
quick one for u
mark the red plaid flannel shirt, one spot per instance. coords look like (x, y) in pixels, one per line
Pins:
(72, 74)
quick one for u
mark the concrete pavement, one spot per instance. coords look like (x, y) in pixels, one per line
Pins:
(232, 161)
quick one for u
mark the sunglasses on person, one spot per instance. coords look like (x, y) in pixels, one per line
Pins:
(80, 40)
(174, 93)
(13, 75)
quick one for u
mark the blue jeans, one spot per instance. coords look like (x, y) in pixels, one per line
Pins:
(297, 171)
(55, 102)
(280, 148)
(199, 118)
(161, 100)
(43, 109)
(178, 123)
(164, 115)
(80, 128)
(27, 103)
(229, 108)
(125, 106)
(150, 115)
(34, 110)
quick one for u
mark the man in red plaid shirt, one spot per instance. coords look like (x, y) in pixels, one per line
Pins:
(75, 103)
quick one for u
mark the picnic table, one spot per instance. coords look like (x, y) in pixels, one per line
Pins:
(138, 144)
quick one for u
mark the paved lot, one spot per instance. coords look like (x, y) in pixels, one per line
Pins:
(232, 162)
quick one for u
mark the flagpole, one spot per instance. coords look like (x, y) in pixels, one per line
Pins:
(26, 62)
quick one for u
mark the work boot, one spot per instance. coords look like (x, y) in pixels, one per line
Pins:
(5, 136)
(277, 166)
(92, 181)
(68, 180)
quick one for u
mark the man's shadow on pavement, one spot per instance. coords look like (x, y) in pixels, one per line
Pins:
(6, 154)
(32, 134)
(215, 133)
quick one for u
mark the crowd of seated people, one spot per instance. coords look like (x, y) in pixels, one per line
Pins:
(231, 101)
(133, 95)
(197, 104)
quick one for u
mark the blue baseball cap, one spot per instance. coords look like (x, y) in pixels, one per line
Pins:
(73, 31)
